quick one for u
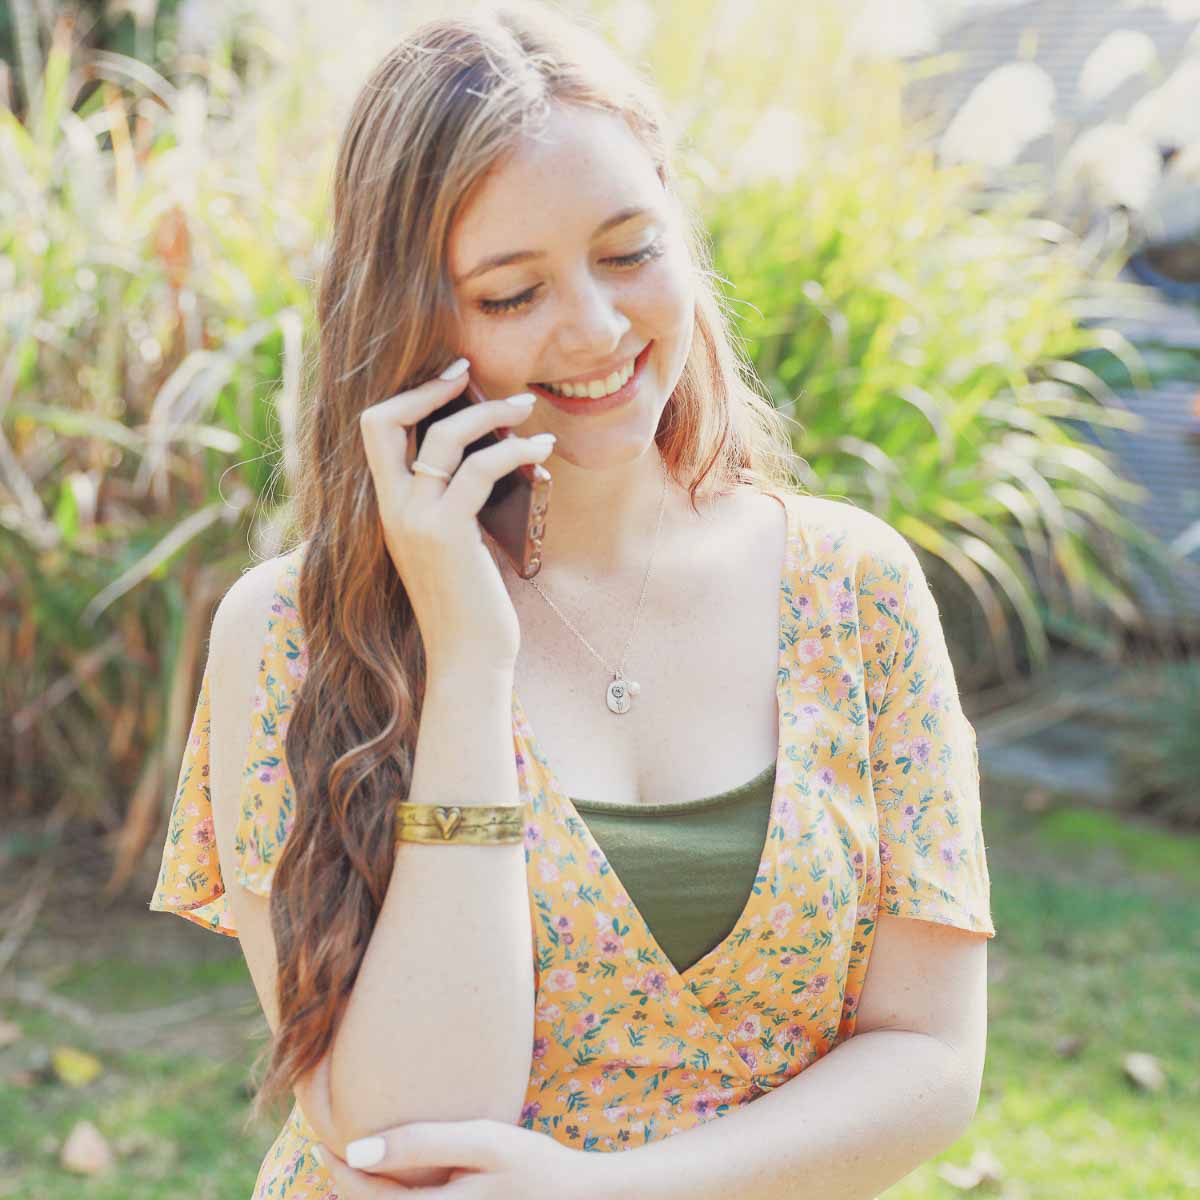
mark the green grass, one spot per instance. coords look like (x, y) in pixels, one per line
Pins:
(124, 990)
(1139, 847)
(181, 1117)
(1097, 941)
(174, 1121)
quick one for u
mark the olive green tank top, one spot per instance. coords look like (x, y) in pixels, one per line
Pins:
(689, 867)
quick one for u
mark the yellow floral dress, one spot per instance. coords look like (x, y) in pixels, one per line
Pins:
(876, 809)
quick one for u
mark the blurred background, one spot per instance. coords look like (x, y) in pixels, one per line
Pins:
(963, 244)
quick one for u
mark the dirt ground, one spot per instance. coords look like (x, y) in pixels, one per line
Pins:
(75, 928)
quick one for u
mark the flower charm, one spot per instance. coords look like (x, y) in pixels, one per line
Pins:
(618, 695)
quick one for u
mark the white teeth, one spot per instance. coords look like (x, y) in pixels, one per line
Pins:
(597, 387)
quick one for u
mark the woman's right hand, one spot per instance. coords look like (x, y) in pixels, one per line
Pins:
(431, 527)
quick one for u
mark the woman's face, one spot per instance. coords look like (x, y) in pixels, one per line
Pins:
(584, 300)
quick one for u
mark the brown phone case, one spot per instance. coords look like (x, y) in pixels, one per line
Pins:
(514, 514)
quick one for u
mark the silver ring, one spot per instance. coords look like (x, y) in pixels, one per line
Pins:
(420, 468)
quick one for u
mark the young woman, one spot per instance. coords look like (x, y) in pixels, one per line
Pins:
(692, 783)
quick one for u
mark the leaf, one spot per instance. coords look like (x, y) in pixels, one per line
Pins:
(76, 1068)
(86, 1151)
(984, 1168)
(1145, 1071)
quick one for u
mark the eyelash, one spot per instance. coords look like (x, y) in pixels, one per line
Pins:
(627, 261)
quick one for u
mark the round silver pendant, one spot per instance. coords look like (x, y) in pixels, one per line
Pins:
(620, 695)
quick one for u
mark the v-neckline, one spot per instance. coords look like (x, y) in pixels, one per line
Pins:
(564, 807)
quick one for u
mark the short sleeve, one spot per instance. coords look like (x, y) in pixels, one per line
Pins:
(924, 760)
(189, 880)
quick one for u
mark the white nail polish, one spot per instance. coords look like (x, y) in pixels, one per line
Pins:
(455, 369)
(366, 1152)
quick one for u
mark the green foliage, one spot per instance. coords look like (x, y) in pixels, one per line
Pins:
(926, 335)
(160, 233)
(155, 252)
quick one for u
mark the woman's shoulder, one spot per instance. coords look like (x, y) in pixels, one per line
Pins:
(837, 534)
(264, 599)
(280, 573)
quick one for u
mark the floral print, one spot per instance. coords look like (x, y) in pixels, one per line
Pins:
(876, 809)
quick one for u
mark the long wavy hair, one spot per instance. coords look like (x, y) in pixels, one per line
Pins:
(437, 113)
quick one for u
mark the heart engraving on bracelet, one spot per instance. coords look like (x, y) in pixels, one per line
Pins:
(448, 820)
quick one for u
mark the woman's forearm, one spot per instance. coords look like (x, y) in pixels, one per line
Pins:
(439, 1025)
(855, 1122)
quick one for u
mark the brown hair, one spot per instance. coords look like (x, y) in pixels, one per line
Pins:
(440, 110)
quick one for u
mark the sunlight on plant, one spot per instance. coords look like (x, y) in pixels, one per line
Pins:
(161, 232)
(922, 333)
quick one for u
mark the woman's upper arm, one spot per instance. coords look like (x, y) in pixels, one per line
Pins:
(930, 978)
(235, 657)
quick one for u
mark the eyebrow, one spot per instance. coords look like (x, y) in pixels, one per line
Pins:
(517, 256)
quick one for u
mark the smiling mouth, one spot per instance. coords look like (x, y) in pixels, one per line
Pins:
(596, 389)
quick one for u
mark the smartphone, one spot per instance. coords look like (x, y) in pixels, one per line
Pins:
(514, 513)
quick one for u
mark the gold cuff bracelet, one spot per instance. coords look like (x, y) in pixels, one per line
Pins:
(483, 825)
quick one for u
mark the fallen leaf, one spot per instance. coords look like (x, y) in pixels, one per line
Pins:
(86, 1151)
(984, 1168)
(76, 1068)
(1145, 1071)
(10, 1032)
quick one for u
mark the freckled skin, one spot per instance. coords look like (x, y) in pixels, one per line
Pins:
(550, 195)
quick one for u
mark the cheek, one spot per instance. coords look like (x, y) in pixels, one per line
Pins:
(675, 293)
(675, 317)
(478, 339)
(497, 356)
(671, 321)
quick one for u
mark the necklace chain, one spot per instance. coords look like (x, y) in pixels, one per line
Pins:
(619, 672)
(620, 689)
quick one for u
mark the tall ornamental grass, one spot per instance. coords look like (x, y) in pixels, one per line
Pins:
(927, 335)
(161, 228)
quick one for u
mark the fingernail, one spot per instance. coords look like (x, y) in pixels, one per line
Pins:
(455, 369)
(522, 399)
(366, 1152)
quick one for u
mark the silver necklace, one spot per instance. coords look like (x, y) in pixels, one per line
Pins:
(619, 693)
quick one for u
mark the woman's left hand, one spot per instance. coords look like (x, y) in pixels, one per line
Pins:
(488, 1160)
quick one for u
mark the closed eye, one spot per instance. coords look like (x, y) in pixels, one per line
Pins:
(622, 261)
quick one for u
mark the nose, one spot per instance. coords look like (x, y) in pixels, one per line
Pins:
(592, 325)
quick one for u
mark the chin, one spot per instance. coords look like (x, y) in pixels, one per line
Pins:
(601, 450)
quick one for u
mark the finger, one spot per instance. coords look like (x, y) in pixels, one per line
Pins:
(357, 1185)
(445, 444)
(474, 1145)
(411, 405)
(385, 427)
(446, 440)
(472, 483)
(413, 1183)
